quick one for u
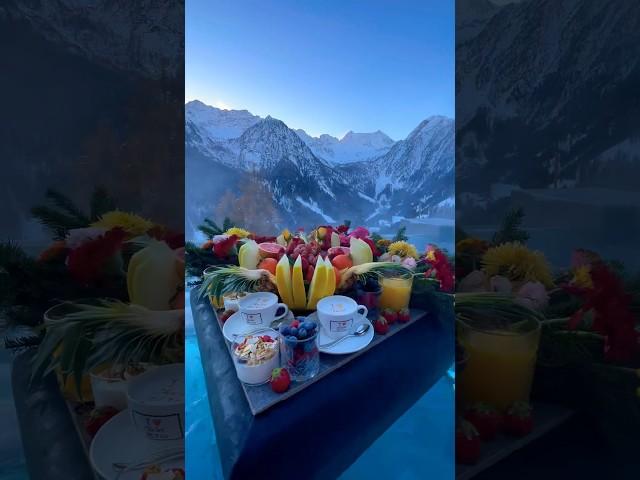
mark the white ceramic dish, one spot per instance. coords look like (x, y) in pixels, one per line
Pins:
(258, 374)
(348, 345)
(114, 444)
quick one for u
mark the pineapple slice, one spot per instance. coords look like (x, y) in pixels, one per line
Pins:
(331, 279)
(283, 281)
(297, 286)
(318, 284)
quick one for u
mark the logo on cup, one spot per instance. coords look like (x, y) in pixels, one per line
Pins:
(252, 318)
(165, 427)
(339, 326)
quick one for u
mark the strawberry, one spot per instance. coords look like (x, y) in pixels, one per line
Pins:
(382, 326)
(97, 418)
(404, 315)
(266, 338)
(486, 419)
(390, 315)
(280, 380)
(224, 316)
(467, 443)
(518, 420)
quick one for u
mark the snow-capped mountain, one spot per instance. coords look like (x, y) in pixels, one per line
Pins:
(146, 36)
(413, 178)
(541, 93)
(353, 147)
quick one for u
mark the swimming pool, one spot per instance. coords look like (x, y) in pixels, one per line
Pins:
(419, 445)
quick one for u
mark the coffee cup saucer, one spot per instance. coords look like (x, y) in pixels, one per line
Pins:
(348, 345)
(113, 444)
(236, 326)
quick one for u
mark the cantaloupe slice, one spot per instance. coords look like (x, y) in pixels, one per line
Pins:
(283, 280)
(297, 286)
(318, 284)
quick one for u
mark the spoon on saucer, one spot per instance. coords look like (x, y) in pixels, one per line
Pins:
(358, 332)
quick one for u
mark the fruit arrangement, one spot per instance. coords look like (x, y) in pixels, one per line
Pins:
(483, 423)
(300, 348)
(301, 269)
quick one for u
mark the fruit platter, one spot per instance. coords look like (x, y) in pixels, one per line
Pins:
(295, 307)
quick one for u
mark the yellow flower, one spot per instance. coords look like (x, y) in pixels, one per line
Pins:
(383, 243)
(129, 222)
(516, 262)
(286, 234)
(238, 232)
(403, 250)
(582, 277)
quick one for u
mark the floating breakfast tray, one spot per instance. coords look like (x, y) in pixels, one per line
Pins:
(262, 398)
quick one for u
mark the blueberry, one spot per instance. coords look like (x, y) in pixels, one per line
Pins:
(309, 346)
(293, 331)
(308, 326)
(291, 340)
(285, 330)
(302, 333)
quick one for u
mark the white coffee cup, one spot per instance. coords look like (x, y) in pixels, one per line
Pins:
(156, 404)
(337, 315)
(261, 308)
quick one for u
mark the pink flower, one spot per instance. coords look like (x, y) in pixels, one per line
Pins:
(409, 262)
(360, 232)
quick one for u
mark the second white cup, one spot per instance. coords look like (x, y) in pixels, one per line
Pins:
(262, 308)
(337, 315)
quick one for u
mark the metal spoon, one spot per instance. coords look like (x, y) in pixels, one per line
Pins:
(359, 331)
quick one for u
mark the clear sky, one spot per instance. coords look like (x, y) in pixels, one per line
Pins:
(327, 66)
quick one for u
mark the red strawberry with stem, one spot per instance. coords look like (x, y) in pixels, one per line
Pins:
(518, 421)
(280, 380)
(404, 315)
(390, 315)
(467, 443)
(486, 419)
(382, 326)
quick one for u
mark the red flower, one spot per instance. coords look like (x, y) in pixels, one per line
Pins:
(262, 238)
(222, 245)
(360, 232)
(440, 268)
(86, 263)
(55, 251)
(342, 229)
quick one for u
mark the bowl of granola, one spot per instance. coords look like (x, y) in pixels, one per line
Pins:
(255, 356)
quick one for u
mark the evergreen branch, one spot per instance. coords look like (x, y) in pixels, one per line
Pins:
(65, 204)
(57, 222)
(101, 203)
(401, 235)
(510, 229)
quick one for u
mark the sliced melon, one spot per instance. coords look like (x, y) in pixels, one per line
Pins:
(360, 251)
(318, 284)
(297, 286)
(283, 280)
(152, 278)
(249, 255)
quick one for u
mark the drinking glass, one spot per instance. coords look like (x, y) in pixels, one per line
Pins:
(500, 361)
(396, 291)
(300, 357)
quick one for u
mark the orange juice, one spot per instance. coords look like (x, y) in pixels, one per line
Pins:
(500, 366)
(396, 292)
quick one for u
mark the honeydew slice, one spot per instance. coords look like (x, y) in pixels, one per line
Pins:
(249, 255)
(360, 251)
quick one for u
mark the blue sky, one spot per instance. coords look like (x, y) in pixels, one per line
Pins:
(325, 66)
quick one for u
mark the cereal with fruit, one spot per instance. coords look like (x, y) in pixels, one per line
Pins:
(255, 357)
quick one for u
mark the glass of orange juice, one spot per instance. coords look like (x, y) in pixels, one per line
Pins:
(501, 361)
(396, 291)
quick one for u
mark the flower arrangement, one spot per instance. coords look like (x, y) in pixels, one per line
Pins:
(119, 279)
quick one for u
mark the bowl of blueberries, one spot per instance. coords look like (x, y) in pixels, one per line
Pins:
(299, 348)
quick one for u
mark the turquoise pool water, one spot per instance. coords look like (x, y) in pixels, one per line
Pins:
(419, 445)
